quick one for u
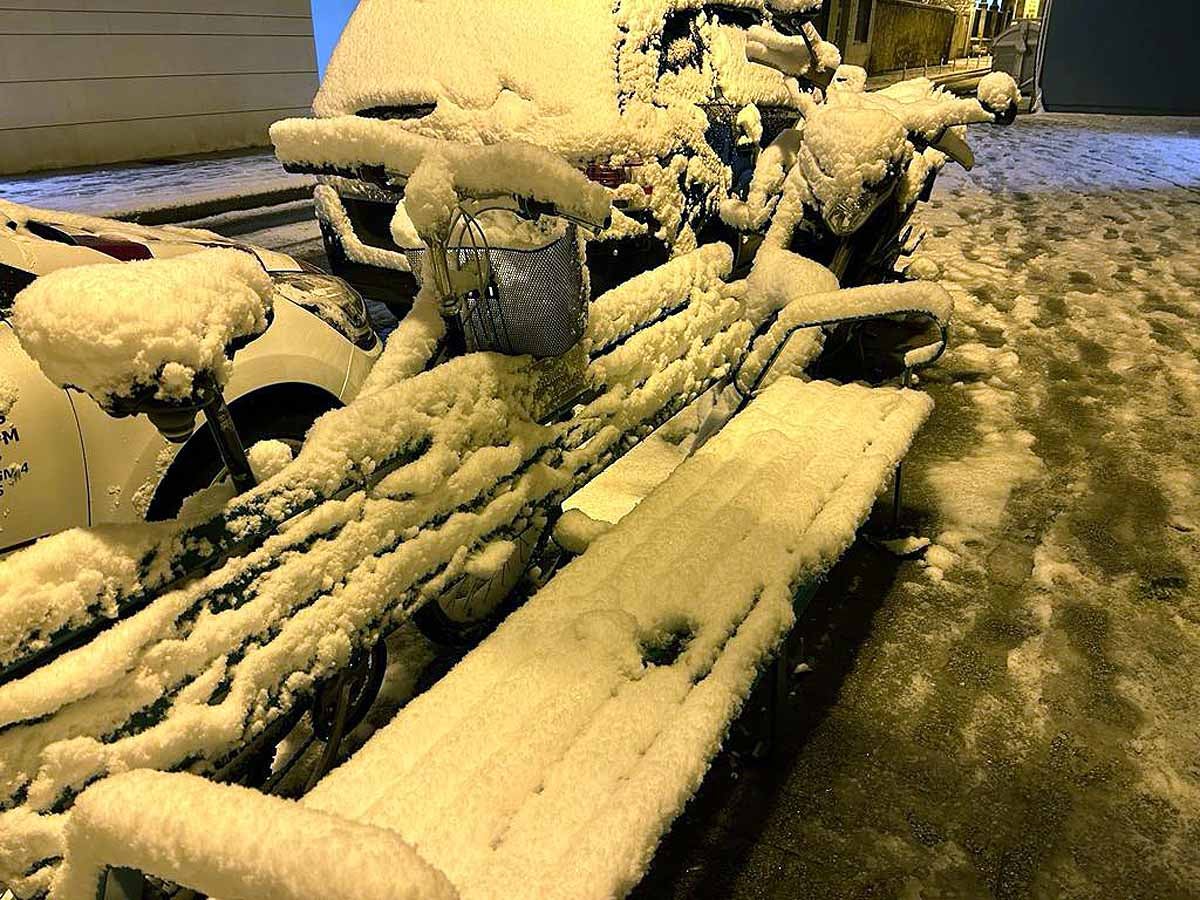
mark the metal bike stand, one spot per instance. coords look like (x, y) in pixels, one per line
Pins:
(123, 884)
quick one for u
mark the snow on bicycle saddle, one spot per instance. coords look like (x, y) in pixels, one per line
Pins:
(144, 329)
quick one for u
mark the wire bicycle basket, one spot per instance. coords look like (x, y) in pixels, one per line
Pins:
(521, 300)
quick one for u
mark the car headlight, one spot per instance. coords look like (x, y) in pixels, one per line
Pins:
(331, 300)
(847, 215)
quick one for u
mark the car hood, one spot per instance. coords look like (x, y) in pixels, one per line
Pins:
(41, 241)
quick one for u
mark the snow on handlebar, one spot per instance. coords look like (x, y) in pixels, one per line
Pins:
(348, 143)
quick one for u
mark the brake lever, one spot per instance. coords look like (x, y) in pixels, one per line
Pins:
(536, 208)
(954, 147)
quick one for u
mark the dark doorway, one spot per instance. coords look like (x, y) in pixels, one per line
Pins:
(1120, 57)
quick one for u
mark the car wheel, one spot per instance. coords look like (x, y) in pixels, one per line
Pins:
(199, 465)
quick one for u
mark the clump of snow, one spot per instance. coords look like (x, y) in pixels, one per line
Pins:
(809, 291)
(575, 530)
(788, 54)
(749, 124)
(403, 231)
(612, 494)
(639, 300)
(451, 170)
(1052, 568)
(998, 91)
(411, 346)
(268, 458)
(770, 171)
(849, 78)
(779, 276)
(744, 77)
(921, 106)
(40, 586)
(471, 53)
(919, 357)
(906, 547)
(924, 269)
(490, 559)
(846, 149)
(925, 163)
(9, 392)
(207, 501)
(116, 330)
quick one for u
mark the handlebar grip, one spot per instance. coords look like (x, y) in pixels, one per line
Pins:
(534, 208)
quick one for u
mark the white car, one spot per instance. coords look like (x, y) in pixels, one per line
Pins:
(64, 462)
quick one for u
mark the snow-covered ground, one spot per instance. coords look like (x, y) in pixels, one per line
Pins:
(1015, 715)
(153, 184)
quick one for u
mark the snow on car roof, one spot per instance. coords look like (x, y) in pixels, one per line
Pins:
(535, 71)
(395, 52)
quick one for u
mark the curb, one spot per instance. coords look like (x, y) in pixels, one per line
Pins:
(239, 222)
(205, 209)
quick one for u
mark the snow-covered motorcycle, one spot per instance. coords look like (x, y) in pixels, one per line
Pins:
(841, 187)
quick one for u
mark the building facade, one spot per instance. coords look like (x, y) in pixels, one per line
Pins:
(850, 25)
(989, 18)
(884, 35)
(94, 81)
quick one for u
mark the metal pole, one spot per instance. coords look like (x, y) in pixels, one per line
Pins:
(229, 444)
(896, 498)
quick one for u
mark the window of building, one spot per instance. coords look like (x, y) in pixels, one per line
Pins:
(862, 28)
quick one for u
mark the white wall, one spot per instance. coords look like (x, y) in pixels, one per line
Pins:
(90, 81)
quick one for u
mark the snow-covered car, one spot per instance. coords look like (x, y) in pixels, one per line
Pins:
(64, 462)
(657, 100)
